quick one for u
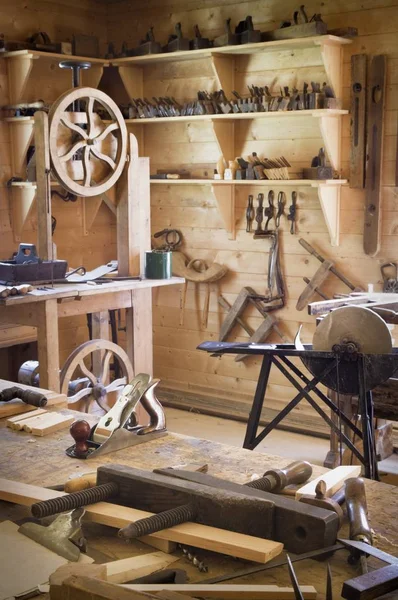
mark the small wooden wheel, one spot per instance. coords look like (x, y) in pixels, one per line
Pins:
(87, 138)
(100, 384)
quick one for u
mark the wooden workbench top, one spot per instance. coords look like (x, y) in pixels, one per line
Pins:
(42, 461)
(77, 290)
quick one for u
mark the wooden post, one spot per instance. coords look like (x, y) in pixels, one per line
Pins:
(100, 331)
(43, 194)
(133, 239)
(47, 343)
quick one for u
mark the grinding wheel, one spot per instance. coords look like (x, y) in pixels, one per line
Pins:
(347, 331)
(356, 325)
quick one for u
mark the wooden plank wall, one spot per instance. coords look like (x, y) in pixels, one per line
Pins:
(188, 373)
(60, 19)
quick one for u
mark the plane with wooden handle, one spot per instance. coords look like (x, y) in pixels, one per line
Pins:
(360, 530)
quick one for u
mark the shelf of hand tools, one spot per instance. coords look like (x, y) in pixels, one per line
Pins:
(34, 74)
(223, 63)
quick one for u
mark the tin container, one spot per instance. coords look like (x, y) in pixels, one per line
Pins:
(158, 264)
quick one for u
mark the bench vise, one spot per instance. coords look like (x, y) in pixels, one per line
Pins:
(178, 497)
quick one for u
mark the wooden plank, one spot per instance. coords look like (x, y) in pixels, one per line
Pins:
(334, 480)
(15, 407)
(49, 425)
(228, 591)
(374, 167)
(87, 588)
(260, 335)
(316, 281)
(372, 585)
(127, 569)
(358, 123)
(190, 534)
(19, 421)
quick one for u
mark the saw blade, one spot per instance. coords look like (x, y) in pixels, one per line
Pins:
(355, 324)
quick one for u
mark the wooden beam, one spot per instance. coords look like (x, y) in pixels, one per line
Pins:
(190, 534)
(48, 344)
(43, 195)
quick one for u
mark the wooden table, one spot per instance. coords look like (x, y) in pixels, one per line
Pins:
(42, 309)
(44, 462)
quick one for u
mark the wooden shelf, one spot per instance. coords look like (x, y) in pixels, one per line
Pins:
(256, 182)
(277, 45)
(316, 113)
(20, 64)
(329, 193)
(52, 56)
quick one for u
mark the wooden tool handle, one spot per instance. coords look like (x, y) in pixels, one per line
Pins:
(297, 472)
(355, 498)
(84, 482)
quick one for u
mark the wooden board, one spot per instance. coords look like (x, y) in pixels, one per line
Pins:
(374, 167)
(50, 424)
(127, 569)
(358, 122)
(190, 534)
(227, 592)
(25, 563)
(19, 421)
(334, 480)
(316, 281)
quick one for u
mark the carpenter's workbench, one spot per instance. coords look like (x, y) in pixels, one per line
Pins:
(43, 308)
(42, 461)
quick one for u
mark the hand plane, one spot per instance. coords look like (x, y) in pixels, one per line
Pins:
(119, 427)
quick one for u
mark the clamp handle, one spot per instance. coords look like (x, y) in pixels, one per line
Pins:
(297, 472)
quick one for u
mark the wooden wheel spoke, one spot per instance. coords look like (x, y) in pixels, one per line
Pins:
(72, 151)
(90, 117)
(104, 157)
(87, 373)
(116, 384)
(86, 166)
(79, 395)
(105, 364)
(74, 127)
(111, 127)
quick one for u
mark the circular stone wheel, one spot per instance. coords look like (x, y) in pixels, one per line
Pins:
(87, 141)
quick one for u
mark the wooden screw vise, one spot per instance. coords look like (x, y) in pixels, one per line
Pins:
(181, 496)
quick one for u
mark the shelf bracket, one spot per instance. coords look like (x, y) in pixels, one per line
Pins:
(331, 135)
(225, 198)
(332, 57)
(21, 138)
(109, 198)
(225, 136)
(92, 76)
(329, 197)
(19, 69)
(22, 200)
(133, 80)
(224, 71)
(91, 207)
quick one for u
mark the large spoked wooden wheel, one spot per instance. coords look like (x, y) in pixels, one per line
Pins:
(100, 144)
(93, 361)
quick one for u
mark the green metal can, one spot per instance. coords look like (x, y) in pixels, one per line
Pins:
(158, 264)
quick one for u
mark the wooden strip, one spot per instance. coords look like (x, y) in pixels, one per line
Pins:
(19, 421)
(334, 481)
(190, 534)
(358, 114)
(372, 585)
(50, 426)
(234, 312)
(127, 569)
(228, 591)
(15, 407)
(374, 167)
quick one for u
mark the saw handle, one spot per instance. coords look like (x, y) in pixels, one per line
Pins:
(355, 498)
(297, 472)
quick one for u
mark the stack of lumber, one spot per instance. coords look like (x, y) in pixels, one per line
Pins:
(40, 422)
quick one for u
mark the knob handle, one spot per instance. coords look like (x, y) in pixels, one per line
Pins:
(355, 497)
(80, 431)
(297, 472)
